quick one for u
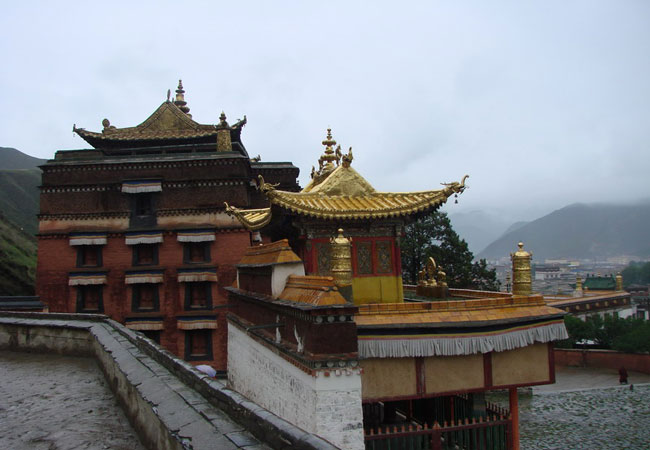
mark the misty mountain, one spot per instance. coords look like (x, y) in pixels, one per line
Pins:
(12, 159)
(581, 231)
(19, 194)
(478, 228)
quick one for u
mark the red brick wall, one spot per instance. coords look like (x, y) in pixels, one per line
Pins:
(608, 359)
(56, 258)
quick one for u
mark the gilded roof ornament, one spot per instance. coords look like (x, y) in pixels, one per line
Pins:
(329, 156)
(180, 99)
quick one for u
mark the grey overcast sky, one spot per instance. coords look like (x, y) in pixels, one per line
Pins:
(542, 103)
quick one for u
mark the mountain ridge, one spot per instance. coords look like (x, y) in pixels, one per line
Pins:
(581, 231)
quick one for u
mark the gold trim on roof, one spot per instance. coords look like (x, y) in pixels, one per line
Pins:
(360, 204)
(252, 219)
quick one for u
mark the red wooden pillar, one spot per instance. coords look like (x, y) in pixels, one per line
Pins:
(514, 412)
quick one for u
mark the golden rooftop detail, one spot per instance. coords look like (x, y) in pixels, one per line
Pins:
(522, 283)
(340, 192)
(313, 290)
(170, 121)
(278, 252)
(180, 99)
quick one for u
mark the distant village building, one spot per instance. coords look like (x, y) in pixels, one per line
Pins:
(596, 294)
(353, 355)
(136, 228)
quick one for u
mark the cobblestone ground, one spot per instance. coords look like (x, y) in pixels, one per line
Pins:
(594, 419)
(51, 402)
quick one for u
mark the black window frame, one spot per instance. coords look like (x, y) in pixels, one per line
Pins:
(188, 342)
(207, 257)
(188, 295)
(136, 294)
(136, 255)
(154, 335)
(143, 217)
(82, 292)
(82, 249)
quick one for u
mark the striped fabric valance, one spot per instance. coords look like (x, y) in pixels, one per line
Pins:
(144, 276)
(144, 237)
(145, 323)
(141, 186)
(88, 238)
(197, 323)
(195, 235)
(192, 275)
(452, 344)
(86, 278)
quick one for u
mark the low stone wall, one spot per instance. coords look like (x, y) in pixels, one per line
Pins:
(608, 359)
(170, 404)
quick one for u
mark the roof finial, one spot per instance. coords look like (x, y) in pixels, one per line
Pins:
(180, 99)
(326, 161)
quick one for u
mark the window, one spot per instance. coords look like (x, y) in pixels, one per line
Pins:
(323, 258)
(145, 297)
(364, 258)
(143, 210)
(143, 204)
(198, 345)
(89, 299)
(384, 257)
(145, 254)
(198, 295)
(373, 257)
(154, 335)
(89, 256)
(196, 252)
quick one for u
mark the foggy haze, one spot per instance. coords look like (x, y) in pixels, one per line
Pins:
(542, 104)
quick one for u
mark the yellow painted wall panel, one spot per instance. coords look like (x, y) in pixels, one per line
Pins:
(453, 373)
(521, 366)
(388, 377)
(385, 289)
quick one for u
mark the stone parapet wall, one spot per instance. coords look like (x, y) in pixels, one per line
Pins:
(169, 403)
(608, 359)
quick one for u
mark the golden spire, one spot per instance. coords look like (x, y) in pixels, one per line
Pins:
(522, 283)
(180, 99)
(326, 161)
(619, 282)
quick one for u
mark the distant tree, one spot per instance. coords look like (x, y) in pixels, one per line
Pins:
(636, 273)
(434, 236)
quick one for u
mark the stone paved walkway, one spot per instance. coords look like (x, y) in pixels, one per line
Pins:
(587, 409)
(59, 402)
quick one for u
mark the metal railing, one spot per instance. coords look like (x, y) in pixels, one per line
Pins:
(485, 433)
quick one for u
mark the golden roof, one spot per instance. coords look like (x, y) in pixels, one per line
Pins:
(314, 290)
(278, 252)
(170, 121)
(340, 192)
(478, 311)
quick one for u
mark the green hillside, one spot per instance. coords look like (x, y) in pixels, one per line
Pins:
(581, 231)
(19, 196)
(17, 259)
(19, 200)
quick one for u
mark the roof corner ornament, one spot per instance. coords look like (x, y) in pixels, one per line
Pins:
(347, 159)
(264, 186)
(180, 99)
(169, 94)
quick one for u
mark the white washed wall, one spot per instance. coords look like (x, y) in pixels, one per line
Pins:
(328, 406)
